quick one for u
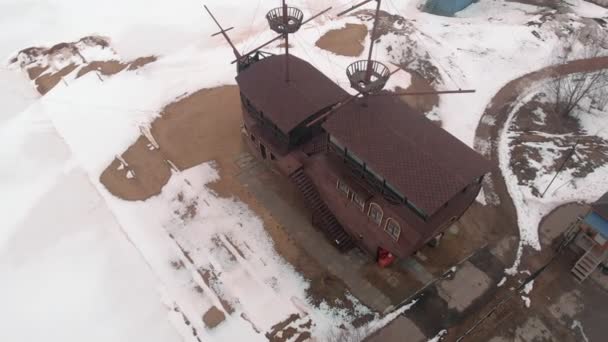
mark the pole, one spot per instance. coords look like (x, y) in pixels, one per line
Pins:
(368, 74)
(223, 32)
(285, 22)
(561, 167)
(422, 93)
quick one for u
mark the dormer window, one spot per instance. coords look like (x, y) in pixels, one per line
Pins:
(343, 187)
(393, 229)
(375, 213)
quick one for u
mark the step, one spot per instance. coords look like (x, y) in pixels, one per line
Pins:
(578, 275)
(588, 263)
(584, 268)
(307, 190)
(337, 232)
(591, 258)
(309, 196)
(341, 236)
(582, 274)
(316, 205)
(298, 176)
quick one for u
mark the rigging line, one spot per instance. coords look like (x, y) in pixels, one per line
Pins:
(253, 20)
(330, 63)
(420, 40)
(303, 46)
(439, 64)
(335, 8)
(326, 54)
(316, 65)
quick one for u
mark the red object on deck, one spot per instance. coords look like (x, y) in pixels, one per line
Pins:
(385, 258)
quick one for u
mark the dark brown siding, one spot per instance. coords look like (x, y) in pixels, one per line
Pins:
(422, 161)
(325, 171)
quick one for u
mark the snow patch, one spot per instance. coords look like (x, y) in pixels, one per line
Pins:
(439, 336)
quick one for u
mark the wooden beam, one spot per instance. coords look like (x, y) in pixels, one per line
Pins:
(259, 47)
(332, 110)
(368, 72)
(317, 15)
(344, 102)
(281, 36)
(222, 32)
(423, 93)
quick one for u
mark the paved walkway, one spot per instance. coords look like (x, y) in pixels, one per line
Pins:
(297, 223)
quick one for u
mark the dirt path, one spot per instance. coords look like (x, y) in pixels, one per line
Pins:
(497, 113)
(501, 216)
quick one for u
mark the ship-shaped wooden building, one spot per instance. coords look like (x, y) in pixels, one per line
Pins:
(373, 172)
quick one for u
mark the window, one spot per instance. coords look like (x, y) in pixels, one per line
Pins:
(343, 187)
(359, 200)
(393, 229)
(375, 213)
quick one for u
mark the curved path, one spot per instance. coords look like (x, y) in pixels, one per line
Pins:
(487, 135)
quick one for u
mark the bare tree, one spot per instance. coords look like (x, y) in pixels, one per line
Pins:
(568, 90)
(602, 99)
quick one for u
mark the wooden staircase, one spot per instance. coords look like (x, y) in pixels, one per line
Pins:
(322, 217)
(592, 258)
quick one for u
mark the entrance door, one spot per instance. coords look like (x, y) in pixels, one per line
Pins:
(263, 150)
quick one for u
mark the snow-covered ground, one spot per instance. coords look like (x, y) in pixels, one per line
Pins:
(588, 9)
(80, 264)
(567, 187)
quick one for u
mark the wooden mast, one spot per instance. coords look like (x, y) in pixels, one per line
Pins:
(223, 33)
(286, 22)
(368, 74)
(281, 35)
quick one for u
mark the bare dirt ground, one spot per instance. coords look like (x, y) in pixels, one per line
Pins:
(422, 104)
(40, 63)
(347, 41)
(511, 322)
(496, 114)
(201, 127)
(113, 67)
(531, 135)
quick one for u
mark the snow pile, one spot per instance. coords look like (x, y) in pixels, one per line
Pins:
(578, 325)
(439, 336)
(526, 292)
(61, 55)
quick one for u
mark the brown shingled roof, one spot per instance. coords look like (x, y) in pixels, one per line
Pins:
(288, 104)
(601, 206)
(422, 161)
